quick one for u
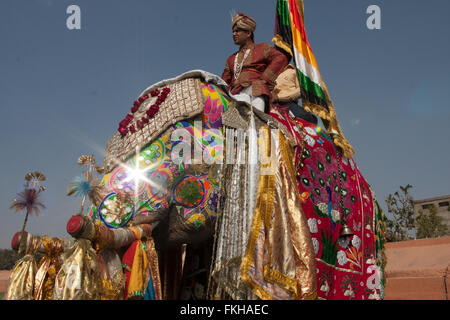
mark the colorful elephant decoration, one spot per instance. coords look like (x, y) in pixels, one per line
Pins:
(189, 209)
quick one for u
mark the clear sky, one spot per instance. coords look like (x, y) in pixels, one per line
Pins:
(62, 92)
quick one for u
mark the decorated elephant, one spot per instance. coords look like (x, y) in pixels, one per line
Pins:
(193, 166)
(242, 204)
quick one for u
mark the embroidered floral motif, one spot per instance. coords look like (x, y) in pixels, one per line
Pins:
(342, 257)
(315, 245)
(310, 141)
(354, 257)
(312, 223)
(356, 242)
(349, 286)
(324, 281)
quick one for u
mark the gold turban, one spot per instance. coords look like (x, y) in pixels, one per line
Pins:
(243, 22)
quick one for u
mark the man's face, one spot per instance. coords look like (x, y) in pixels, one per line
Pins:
(240, 37)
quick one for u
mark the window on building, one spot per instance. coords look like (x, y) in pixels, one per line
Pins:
(444, 204)
(427, 206)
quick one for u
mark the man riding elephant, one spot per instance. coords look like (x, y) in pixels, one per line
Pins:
(251, 71)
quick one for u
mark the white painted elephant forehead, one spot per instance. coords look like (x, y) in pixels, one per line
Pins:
(155, 110)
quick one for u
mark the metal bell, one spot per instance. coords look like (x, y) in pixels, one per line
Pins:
(345, 231)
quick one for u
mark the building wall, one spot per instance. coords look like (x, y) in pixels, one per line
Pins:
(442, 205)
(4, 277)
(418, 269)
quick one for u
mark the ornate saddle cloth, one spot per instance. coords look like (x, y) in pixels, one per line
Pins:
(185, 100)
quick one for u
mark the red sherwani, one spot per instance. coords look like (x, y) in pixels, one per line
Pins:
(260, 69)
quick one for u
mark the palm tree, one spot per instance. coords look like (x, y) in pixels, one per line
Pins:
(29, 199)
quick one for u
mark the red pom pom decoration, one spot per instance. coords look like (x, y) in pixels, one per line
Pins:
(123, 131)
(152, 111)
(124, 123)
(161, 97)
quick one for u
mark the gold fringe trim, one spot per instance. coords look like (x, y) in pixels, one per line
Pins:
(278, 41)
(339, 140)
(154, 267)
(234, 288)
(312, 296)
(288, 155)
(108, 290)
(48, 267)
(279, 278)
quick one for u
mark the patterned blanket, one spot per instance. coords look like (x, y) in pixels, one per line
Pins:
(334, 192)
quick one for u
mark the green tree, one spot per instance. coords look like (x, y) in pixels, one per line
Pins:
(401, 206)
(430, 225)
(8, 259)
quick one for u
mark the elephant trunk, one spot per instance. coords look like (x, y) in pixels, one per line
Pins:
(82, 227)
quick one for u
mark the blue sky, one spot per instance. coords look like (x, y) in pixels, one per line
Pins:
(62, 92)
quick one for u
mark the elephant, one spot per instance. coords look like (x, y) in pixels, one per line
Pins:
(184, 199)
(240, 203)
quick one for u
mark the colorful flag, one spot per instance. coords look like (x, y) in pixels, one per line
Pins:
(290, 35)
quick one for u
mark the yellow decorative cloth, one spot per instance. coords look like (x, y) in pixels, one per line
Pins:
(139, 272)
(21, 280)
(152, 256)
(112, 278)
(48, 268)
(279, 262)
(78, 277)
